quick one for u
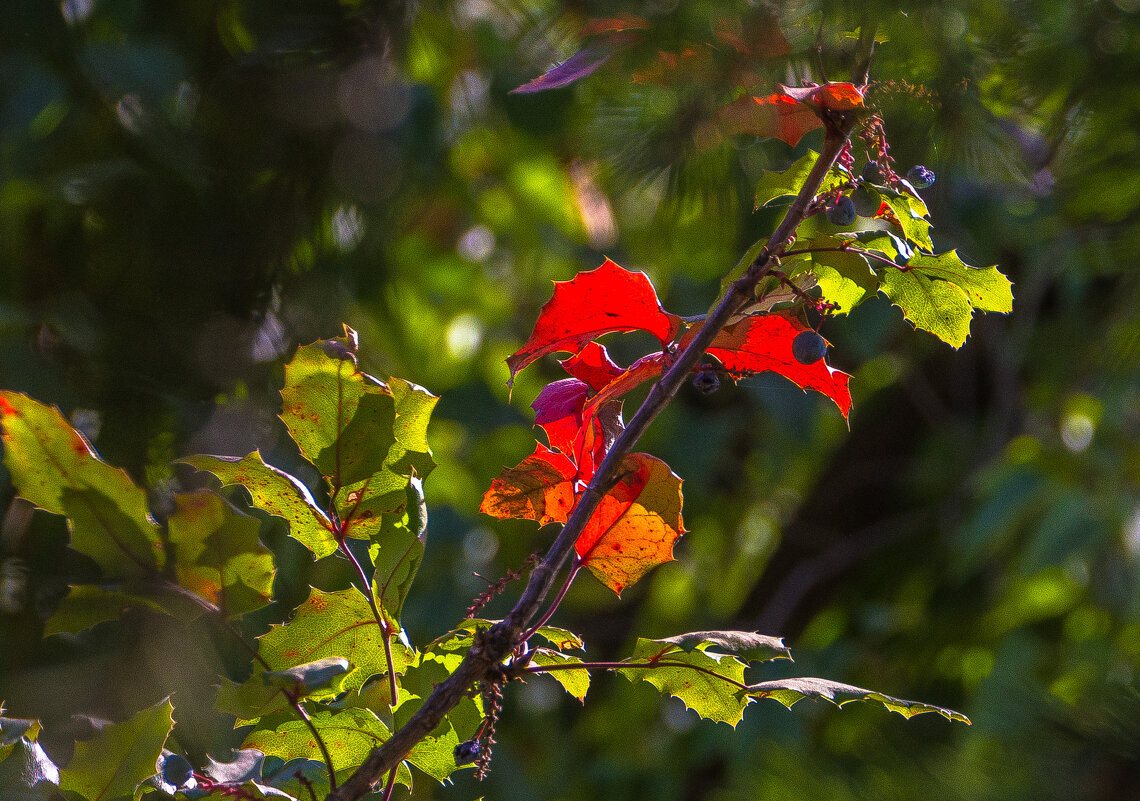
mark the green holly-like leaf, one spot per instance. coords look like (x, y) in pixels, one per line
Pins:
(349, 736)
(396, 552)
(462, 637)
(912, 220)
(251, 700)
(333, 624)
(750, 646)
(706, 682)
(55, 468)
(218, 555)
(787, 184)
(85, 605)
(844, 277)
(790, 691)
(939, 294)
(340, 417)
(277, 493)
(362, 507)
(575, 682)
(120, 757)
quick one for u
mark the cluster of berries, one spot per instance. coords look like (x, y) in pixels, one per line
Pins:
(863, 200)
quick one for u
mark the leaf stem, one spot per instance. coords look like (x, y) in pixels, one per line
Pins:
(295, 702)
(633, 666)
(575, 566)
(381, 621)
(501, 639)
(391, 785)
(846, 249)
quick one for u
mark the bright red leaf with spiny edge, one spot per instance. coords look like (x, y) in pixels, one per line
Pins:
(644, 369)
(591, 304)
(764, 343)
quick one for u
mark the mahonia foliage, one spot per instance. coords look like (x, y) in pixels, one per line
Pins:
(340, 676)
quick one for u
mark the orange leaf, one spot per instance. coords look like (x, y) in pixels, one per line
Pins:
(635, 525)
(622, 22)
(539, 488)
(784, 118)
(644, 369)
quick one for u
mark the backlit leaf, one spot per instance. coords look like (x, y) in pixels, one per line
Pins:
(790, 691)
(702, 689)
(785, 119)
(340, 417)
(218, 555)
(277, 493)
(332, 624)
(764, 343)
(397, 551)
(635, 525)
(120, 756)
(349, 735)
(601, 301)
(575, 682)
(914, 225)
(539, 488)
(592, 365)
(56, 469)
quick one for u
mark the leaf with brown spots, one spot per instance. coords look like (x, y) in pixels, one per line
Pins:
(708, 683)
(218, 555)
(539, 488)
(332, 624)
(55, 468)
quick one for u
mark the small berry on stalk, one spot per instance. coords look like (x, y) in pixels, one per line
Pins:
(808, 347)
(467, 752)
(871, 173)
(842, 213)
(920, 177)
(706, 382)
(176, 770)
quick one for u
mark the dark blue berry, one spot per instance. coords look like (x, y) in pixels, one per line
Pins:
(467, 752)
(871, 173)
(920, 177)
(842, 213)
(808, 347)
(176, 770)
(706, 382)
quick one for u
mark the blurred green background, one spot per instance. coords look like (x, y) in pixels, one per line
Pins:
(189, 189)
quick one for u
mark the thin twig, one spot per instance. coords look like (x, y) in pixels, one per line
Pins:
(295, 702)
(845, 249)
(574, 568)
(391, 786)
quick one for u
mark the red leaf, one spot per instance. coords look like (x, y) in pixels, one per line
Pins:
(785, 118)
(593, 365)
(622, 22)
(635, 525)
(558, 411)
(831, 96)
(642, 370)
(759, 344)
(591, 304)
(539, 488)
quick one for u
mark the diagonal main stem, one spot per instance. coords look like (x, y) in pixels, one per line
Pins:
(503, 638)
